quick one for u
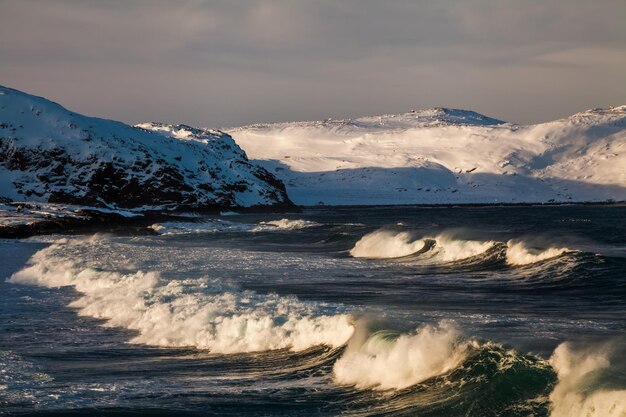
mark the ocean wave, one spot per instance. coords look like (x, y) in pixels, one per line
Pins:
(433, 365)
(451, 249)
(207, 226)
(447, 248)
(385, 360)
(437, 369)
(437, 365)
(580, 390)
(288, 224)
(204, 313)
(225, 226)
(519, 253)
(389, 244)
(385, 244)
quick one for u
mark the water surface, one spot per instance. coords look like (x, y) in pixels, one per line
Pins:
(356, 311)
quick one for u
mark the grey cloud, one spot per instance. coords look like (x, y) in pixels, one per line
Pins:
(231, 62)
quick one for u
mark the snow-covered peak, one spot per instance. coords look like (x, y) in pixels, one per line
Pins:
(50, 154)
(41, 121)
(598, 116)
(424, 118)
(438, 116)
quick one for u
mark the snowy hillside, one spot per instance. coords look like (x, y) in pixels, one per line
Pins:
(444, 156)
(49, 154)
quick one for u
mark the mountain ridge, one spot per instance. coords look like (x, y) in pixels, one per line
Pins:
(434, 156)
(51, 154)
(421, 158)
(413, 118)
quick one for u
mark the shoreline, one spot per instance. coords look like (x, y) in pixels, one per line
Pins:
(94, 220)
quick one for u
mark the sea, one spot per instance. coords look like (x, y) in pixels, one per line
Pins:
(333, 311)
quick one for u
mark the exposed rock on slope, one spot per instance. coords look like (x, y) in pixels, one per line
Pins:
(444, 156)
(49, 154)
(27, 219)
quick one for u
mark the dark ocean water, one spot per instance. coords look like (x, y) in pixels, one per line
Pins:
(503, 311)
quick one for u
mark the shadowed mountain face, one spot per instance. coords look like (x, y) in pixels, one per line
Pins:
(50, 154)
(443, 156)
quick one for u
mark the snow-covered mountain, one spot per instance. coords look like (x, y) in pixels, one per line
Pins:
(50, 154)
(444, 156)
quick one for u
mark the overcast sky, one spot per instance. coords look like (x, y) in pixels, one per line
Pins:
(227, 63)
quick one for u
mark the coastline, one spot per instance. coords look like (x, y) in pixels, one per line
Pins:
(94, 220)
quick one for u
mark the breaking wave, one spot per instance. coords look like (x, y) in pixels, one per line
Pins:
(385, 360)
(204, 313)
(519, 253)
(583, 388)
(446, 248)
(436, 369)
(383, 244)
(438, 365)
(450, 249)
(435, 365)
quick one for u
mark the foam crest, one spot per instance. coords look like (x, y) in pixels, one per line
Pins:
(208, 226)
(451, 249)
(577, 393)
(518, 253)
(385, 361)
(288, 224)
(220, 226)
(194, 312)
(382, 244)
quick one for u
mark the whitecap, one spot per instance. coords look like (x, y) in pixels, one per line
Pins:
(519, 253)
(204, 313)
(387, 361)
(577, 393)
(286, 224)
(382, 244)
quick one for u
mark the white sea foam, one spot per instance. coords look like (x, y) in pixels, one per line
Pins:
(218, 225)
(229, 213)
(204, 313)
(576, 393)
(382, 244)
(384, 361)
(207, 226)
(519, 253)
(289, 224)
(450, 249)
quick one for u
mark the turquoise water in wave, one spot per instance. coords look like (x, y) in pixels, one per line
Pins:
(498, 311)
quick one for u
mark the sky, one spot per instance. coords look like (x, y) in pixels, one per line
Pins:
(230, 63)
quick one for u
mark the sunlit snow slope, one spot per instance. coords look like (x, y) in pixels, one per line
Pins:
(444, 156)
(50, 154)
